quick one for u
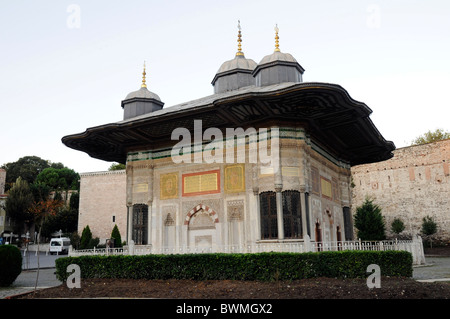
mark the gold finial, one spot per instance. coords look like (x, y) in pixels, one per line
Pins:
(239, 40)
(277, 45)
(144, 85)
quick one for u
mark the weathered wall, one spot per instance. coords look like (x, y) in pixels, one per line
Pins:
(413, 184)
(102, 196)
(2, 181)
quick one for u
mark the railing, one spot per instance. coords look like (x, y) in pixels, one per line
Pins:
(415, 247)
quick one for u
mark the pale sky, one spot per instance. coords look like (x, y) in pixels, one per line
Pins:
(66, 65)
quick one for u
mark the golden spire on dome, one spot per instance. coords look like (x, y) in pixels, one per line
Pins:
(239, 40)
(277, 45)
(144, 85)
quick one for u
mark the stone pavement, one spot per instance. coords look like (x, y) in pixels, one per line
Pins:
(435, 269)
(26, 281)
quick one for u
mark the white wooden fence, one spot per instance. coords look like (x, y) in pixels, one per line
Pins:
(414, 246)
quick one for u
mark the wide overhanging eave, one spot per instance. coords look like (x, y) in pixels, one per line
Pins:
(333, 117)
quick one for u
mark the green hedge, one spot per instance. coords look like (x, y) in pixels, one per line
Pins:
(262, 266)
(10, 264)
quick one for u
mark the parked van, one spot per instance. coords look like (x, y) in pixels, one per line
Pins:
(59, 245)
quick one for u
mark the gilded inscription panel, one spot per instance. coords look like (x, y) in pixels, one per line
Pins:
(168, 186)
(326, 187)
(234, 178)
(201, 183)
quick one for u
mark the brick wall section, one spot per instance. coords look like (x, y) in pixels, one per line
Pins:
(413, 184)
(102, 196)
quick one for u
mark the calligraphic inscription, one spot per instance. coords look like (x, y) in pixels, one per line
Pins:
(234, 178)
(326, 187)
(201, 183)
(140, 188)
(290, 171)
(168, 185)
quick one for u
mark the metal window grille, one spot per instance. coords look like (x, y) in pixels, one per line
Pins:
(268, 208)
(140, 218)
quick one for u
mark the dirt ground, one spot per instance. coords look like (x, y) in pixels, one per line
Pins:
(315, 288)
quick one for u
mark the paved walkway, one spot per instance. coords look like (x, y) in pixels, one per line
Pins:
(436, 269)
(26, 281)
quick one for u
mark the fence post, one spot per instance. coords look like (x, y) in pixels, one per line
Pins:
(131, 247)
(307, 241)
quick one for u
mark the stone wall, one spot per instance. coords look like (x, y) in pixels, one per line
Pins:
(413, 184)
(103, 203)
(2, 181)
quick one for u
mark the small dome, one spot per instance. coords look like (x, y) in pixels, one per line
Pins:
(239, 62)
(143, 92)
(278, 56)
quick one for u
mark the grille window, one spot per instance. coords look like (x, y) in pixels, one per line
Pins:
(140, 218)
(268, 207)
(292, 217)
(292, 214)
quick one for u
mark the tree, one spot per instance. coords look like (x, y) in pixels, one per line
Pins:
(116, 167)
(116, 235)
(430, 137)
(59, 179)
(397, 226)
(369, 221)
(429, 228)
(86, 238)
(28, 168)
(18, 204)
(41, 210)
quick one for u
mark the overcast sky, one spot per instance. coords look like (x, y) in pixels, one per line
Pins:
(66, 65)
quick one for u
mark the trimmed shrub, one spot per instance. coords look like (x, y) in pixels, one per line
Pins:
(262, 266)
(86, 238)
(116, 235)
(10, 264)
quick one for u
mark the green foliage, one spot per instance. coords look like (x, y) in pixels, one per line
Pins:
(117, 167)
(75, 240)
(116, 235)
(28, 168)
(261, 266)
(66, 219)
(369, 221)
(86, 238)
(10, 264)
(429, 227)
(18, 203)
(397, 226)
(74, 202)
(430, 137)
(61, 179)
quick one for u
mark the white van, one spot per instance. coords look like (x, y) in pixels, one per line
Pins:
(59, 245)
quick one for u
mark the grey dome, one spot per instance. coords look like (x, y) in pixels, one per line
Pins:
(140, 102)
(239, 62)
(277, 68)
(143, 93)
(234, 74)
(278, 56)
